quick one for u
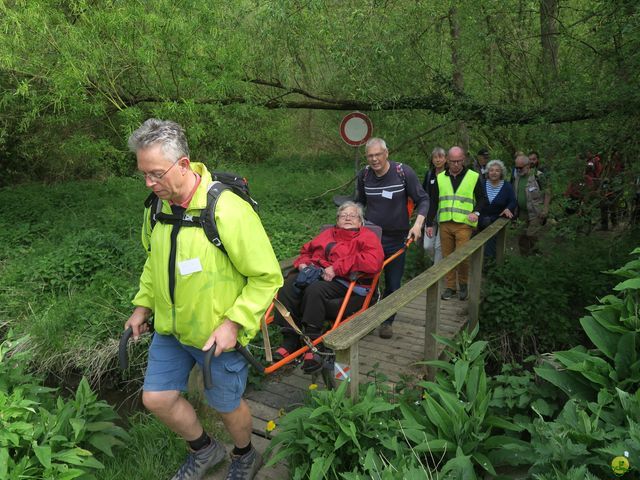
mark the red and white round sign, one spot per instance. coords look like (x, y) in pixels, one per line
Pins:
(356, 129)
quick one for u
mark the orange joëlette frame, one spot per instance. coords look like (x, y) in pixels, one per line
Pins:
(339, 320)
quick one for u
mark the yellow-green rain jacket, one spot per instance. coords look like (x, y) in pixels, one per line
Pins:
(238, 285)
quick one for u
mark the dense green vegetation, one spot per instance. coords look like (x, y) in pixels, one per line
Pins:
(531, 305)
(569, 422)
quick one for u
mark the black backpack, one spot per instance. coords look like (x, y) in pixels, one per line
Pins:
(222, 181)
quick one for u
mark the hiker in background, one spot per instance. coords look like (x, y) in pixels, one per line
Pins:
(385, 187)
(438, 161)
(199, 296)
(480, 163)
(500, 201)
(457, 201)
(533, 196)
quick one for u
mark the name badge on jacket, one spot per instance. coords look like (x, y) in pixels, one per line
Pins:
(187, 267)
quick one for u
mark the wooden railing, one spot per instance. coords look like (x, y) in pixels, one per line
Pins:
(344, 339)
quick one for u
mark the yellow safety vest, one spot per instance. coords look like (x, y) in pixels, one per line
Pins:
(455, 206)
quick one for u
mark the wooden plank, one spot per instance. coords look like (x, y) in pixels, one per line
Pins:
(501, 246)
(432, 324)
(475, 283)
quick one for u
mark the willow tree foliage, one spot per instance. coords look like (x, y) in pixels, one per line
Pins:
(76, 75)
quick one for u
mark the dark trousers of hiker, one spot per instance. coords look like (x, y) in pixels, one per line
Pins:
(394, 270)
(309, 308)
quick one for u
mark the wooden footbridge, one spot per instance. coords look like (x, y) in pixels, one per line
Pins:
(368, 358)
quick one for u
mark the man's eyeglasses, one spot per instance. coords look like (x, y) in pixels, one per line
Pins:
(344, 216)
(519, 169)
(371, 156)
(156, 177)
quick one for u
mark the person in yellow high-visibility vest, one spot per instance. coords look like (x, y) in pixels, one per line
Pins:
(458, 197)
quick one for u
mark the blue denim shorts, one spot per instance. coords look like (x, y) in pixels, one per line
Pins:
(170, 363)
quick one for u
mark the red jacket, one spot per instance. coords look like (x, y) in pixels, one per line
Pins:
(350, 251)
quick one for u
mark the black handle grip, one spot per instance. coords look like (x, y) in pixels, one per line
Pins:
(206, 370)
(208, 355)
(123, 355)
(249, 358)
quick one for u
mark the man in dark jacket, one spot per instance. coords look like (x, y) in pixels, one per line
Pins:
(385, 187)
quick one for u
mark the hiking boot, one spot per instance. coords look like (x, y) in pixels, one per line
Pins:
(244, 467)
(386, 330)
(447, 294)
(198, 462)
(464, 292)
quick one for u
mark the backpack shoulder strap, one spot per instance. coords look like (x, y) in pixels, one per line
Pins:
(208, 217)
(154, 204)
(401, 174)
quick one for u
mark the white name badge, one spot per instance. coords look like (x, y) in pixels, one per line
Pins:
(190, 266)
(387, 194)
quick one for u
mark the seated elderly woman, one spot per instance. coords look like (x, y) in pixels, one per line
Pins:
(501, 201)
(334, 254)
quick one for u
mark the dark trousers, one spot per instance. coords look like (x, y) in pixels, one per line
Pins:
(393, 271)
(609, 208)
(309, 308)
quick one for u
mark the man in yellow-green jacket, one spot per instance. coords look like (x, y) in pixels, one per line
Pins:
(458, 199)
(199, 295)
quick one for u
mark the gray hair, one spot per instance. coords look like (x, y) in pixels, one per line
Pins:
(375, 141)
(350, 204)
(524, 158)
(169, 135)
(499, 163)
(438, 151)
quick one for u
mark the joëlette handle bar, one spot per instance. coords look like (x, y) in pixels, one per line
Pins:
(208, 355)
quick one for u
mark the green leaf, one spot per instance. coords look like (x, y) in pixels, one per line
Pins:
(460, 369)
(605, 340)
(74, 456)
(626, 355)
(104, 442)
(383, 407)
(568, 382)
(320, 467)
(4, 461)
(502, 423)
(631, 284)
(442, 365)
(475, 349)
(435, 445)
(320, 410)
(43, 453)
(460, 466)
(78, 425)
(484, 462)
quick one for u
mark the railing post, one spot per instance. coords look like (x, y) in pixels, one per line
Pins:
(501, 245)
(432, 324)
(349, 358)
(475, 284)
